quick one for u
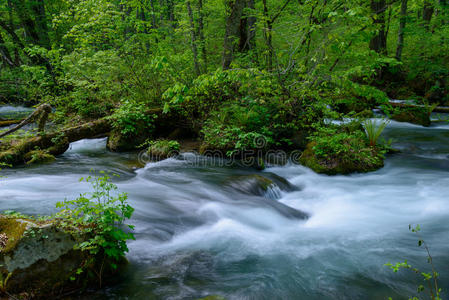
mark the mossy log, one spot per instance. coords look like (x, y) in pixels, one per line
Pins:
(40, 115)
(54, 143)
(4, 123)
(438, 109)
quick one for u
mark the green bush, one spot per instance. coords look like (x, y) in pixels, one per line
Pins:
(131, 118)
(100, 215)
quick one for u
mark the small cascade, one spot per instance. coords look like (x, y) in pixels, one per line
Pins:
(273, 192)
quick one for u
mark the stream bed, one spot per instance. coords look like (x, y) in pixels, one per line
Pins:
(200, 231)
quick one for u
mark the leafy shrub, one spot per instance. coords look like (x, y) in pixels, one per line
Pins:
(131, 118)
(207, 93)
(430, 278)
(100, 215)
(161, 149)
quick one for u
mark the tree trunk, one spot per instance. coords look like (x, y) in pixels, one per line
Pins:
(153, 15)
(427, 13)
(268, 35)
(251, 42)
(378, 42)
(201, 34)
(235, 8)
(247, 29)
(38, 7)
(27, 22)
(193, 39)
(5, 56)
(402, 22)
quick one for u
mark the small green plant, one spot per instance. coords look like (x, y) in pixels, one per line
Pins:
(163, 148)
(430, 107)
(430, 278)
(100, 215)
(4, 278)
(373, 130)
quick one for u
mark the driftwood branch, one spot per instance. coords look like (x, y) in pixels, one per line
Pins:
(40, 115)
(54, 143)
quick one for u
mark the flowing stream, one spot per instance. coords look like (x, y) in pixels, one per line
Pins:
(204, 230)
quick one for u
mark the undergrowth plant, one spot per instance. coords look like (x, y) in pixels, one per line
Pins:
(101, 216)
(374, 130)
(430, 278)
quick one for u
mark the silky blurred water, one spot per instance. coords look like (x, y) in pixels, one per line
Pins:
(199, 234)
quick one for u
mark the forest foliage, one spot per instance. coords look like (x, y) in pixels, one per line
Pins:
(226, 70)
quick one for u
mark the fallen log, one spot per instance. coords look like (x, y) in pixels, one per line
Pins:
(4, 123)
(54, 143)
(40, 115)
(438, 109)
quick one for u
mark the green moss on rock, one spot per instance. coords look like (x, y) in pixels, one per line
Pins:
(40, 258)
(119, 142)
(413, 115)
(163, 149)
(367, 160)
(13, 231)
(38, 157)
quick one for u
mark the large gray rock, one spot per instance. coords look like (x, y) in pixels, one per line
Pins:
(36, 257)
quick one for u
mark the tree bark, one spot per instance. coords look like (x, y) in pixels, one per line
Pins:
(235, 8)
(153, 15)
(427, 13)
(268, 35)
(201, 34)
(402, 23)
(5, 56)
(251, 42)
(27, 22)
(193, 39)
(247, 29)
(38, 7)
(378, 42)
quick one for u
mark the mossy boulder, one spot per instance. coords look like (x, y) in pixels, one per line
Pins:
(357, 160)
(37, 256)
(415, 115)
(162, 149)
(119, 142)
(39, 259)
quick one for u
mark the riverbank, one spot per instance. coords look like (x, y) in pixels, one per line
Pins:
(197, 236)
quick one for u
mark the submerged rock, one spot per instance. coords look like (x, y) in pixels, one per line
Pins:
(258, 185)
(268, 189)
